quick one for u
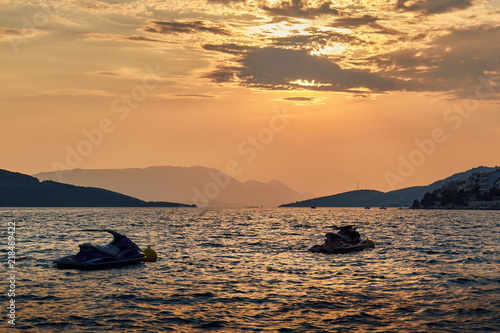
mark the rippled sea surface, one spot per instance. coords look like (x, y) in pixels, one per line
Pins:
(238, 270)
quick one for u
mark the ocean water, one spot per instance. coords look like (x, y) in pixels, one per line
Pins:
(239, 270)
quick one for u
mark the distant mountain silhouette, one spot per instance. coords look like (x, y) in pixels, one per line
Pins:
(19, 190)
(371, 198)
(196, 185)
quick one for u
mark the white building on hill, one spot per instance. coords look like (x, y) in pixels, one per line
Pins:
(486, 180)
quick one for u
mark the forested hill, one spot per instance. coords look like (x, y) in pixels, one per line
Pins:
(396, 198)
(19, 190)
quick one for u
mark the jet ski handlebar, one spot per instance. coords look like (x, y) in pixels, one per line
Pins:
(114, 233)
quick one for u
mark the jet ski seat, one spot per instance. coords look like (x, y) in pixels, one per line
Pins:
(108, 249)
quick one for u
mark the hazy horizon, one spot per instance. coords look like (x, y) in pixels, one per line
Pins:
(320, 95)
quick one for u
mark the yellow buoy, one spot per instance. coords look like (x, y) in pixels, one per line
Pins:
(370, 244)
(150, 254)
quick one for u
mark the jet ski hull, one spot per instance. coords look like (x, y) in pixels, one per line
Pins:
(69, 262)
(340, 249)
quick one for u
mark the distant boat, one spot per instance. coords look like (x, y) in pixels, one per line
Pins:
(313, 207)
(367, 207)
(382, 208)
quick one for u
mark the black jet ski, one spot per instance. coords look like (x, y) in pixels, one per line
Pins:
(345, 241)
(120, 252)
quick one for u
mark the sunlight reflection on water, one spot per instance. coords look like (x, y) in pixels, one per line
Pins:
(249, 270)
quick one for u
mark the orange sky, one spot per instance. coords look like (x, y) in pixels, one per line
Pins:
(318, 94)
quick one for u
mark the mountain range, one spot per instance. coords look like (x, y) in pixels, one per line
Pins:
(165, 186)
(205, 187)
(371, 198)
(19, 190)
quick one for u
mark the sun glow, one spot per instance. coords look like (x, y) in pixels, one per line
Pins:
(330, 50)
(307, 83)
(281, 29)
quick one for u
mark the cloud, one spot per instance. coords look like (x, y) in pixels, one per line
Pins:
(174, 27)
(223, 74)
(451, 63)
(8, 33)
(302, 100)
(100, 36)
(316, 38)
(350, 22)
(114, 2)
(13, 33)
(299, 99)
(194, 95)
(73, 93)
(364, 21)
(121, 73)
(300, 8)
(144, 39)
(107, 73)
(227, 48)
(287, 69)
(226, 2)
(434, 6)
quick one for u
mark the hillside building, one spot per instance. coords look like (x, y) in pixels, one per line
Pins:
(485, 180)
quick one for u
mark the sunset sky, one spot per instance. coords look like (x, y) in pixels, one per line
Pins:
(319, 94)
